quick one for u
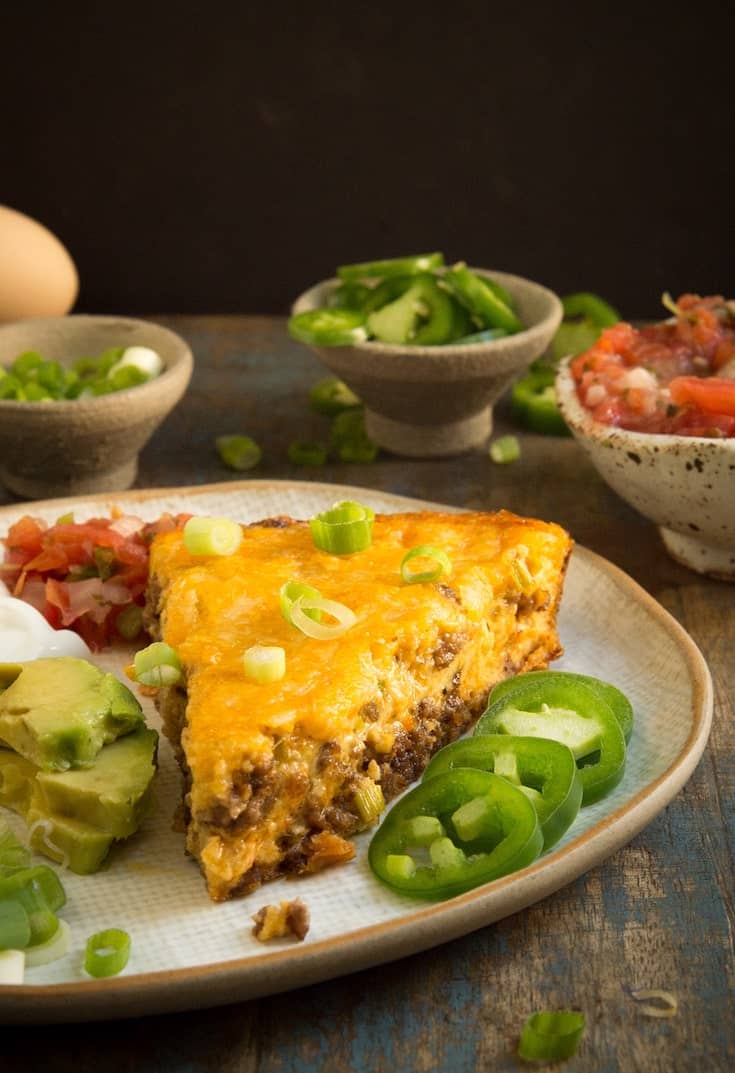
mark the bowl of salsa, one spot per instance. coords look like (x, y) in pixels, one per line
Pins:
(654, 407)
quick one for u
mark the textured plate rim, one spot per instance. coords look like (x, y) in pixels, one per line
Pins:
(424, 926)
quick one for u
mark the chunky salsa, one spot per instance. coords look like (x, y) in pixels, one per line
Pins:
(676, 376)
(88, 576)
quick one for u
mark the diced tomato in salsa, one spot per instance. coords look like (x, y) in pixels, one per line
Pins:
(677, 376)
(82, 575)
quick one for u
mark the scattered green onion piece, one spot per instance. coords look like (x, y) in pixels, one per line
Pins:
(12, 966)
(107, 953)
(442, 565)
(65, 519)
(320, 631)
(15, 925)
(291, 591)
(369, 801)
(53, 949)
(331, 396)
(549, 1036)
(43, 924)
(157, 665)
(302, 453)
(504, 450)
(400, 866)
(668, 303)
(669, 1003)
(349, 440)
(521, 573)
(129, 622)
(212, 536)
(238, 452)
(264, 663)
(346, 528)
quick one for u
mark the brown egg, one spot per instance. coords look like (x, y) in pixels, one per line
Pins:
(37, 276)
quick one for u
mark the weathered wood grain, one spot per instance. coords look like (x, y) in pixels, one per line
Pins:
(659, 914)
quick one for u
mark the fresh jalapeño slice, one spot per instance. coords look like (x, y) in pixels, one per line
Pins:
(395, 266)
(454, 832)
(328, 327)
(545, 770)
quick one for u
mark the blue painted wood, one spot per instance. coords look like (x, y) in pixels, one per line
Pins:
(659, 914)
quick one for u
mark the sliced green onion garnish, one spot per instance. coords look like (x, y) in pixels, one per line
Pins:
(51, 950)
(238, 452)
(656, 1003)
(107, 952)
(12, 966)
(331, 396)
(291, 591)
(129, 622)
(264, 663)
(548, 1036)
(319, 630)
(668, 303)
(43, 926)
(369, 801)
(15, 926)
(441, 561)
(505, 449)
(212, 536)
(302, 453)
(346, 528)
(157, 665)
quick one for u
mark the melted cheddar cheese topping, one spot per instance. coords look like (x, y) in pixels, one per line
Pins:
(214, 608)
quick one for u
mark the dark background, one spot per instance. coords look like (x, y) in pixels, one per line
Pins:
(220, 158)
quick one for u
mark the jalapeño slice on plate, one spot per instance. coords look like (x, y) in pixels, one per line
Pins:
(572, 713)
(328, 327)
(454, 832)
(621, 706)
(394, 266)
(544, 769)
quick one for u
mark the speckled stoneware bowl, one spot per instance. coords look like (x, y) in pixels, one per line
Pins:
(685, 484)
(437, 401)
(85, 445)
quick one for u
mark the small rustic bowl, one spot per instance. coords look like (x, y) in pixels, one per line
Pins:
(59, 448)
(685, 484)
(435, 401)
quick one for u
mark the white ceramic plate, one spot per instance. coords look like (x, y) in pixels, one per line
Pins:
(188, 952)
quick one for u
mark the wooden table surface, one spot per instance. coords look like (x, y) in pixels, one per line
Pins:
(660, 913)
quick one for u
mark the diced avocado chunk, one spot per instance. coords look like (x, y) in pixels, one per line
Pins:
(59, 712)
(112, 795)
(79, 846)
(75, 816)
(17, 778)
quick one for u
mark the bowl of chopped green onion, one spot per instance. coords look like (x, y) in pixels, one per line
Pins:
(428, 347)
(79, 398)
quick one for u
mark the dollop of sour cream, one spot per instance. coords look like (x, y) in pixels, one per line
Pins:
(25, 634)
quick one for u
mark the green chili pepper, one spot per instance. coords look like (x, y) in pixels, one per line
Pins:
(454, 832)
(621, 706)
(481, 299)
(331, 396)
(570, 712)
(545, 770)
(395, 266)
(349, 296)
(423, 315)
(328, 327)
(533, 401)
